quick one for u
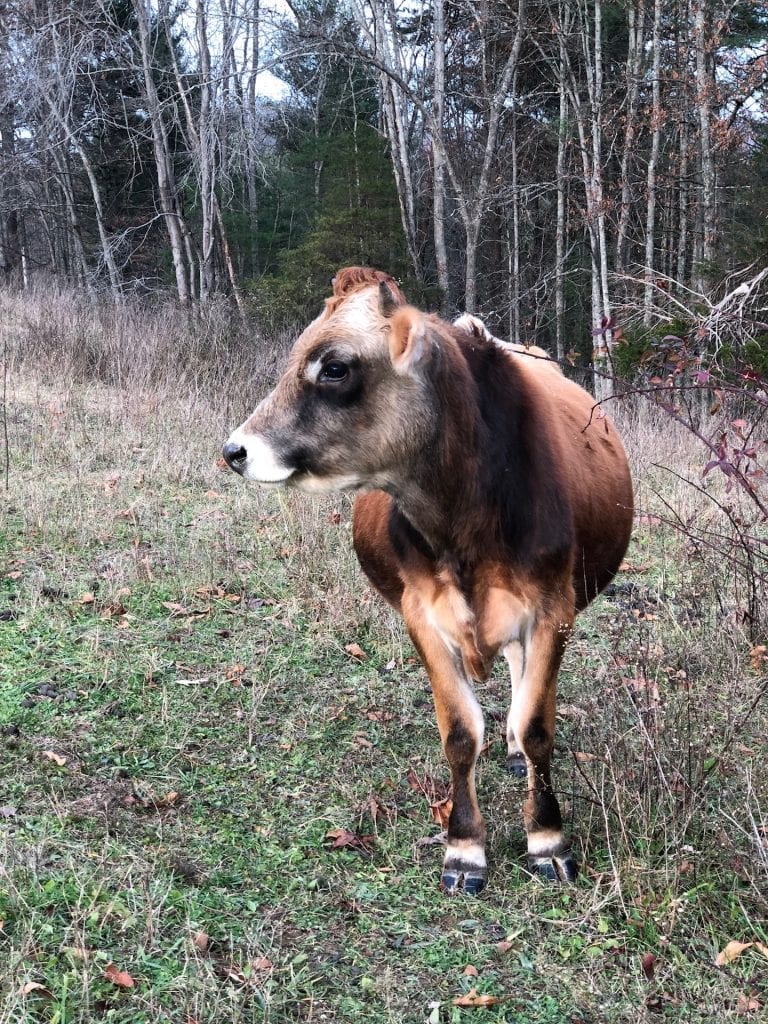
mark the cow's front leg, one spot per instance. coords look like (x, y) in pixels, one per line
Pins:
(460, 722)
(532, 721)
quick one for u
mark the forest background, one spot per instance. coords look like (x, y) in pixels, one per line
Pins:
(558, 168)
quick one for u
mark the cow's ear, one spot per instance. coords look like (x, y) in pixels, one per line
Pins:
(408, 341)
(389, 301)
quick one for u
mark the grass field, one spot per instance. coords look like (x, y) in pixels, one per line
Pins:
(212, 810)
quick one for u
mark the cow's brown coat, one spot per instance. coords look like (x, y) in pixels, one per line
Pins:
(505, 507)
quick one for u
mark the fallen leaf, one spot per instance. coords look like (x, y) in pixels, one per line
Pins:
(639, 684)
(473, 999)
(441, 812)
(633, 567)
(356, 651)
(34, 986)
(758, 656)
(732, 952)
(56, 758)
(114, 610)
(433, 789)
(176, 609)
(583, 757)
(233, 973)
(649, 966)
(117, 977)
(748, 1004)
(376, 715)
(340, 838)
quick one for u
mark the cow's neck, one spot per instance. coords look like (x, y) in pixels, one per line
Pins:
(441, 487)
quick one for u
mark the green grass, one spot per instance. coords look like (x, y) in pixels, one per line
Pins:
(180, 728)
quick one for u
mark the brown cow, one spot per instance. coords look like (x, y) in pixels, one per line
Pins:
(496, 506)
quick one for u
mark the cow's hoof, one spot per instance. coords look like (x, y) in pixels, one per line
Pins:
(517, 766)
(471, 881)
(561, 868)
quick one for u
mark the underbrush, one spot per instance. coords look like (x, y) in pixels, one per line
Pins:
(215, 808)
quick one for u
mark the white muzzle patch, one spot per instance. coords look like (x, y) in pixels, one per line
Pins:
(262, 465)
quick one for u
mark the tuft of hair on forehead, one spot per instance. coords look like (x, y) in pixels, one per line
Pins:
(353, 279)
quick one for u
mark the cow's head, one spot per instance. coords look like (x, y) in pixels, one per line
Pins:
(353, 405)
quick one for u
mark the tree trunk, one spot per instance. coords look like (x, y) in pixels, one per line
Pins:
(515, 335)
(705, 96)
(438, 186)
(250, 123)
(560, 229)
(10, 249)
(166, 179)
(636, 25)
(656, 121)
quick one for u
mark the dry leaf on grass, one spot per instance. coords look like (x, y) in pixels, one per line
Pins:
(56, 758)
(649, 966)
(341, 838)
(441, 812)
(583, 757)
(356, 651)
(117, 977)
(34, 987)
(472, 998)
(734, 949)
(748, 1004)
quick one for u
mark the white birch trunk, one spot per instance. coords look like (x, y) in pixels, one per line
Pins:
(438, 186)
(166, 180)
(636, 25)
(656, 122)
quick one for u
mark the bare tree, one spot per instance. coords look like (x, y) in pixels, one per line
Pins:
(168, 196)
(653, 159)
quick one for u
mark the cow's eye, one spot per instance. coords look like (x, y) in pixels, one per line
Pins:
(333, 372)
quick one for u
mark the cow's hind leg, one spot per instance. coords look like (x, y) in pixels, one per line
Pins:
(532, 719)
(460, 722)
(516, 764)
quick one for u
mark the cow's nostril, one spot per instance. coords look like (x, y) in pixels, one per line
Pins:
(235, 456)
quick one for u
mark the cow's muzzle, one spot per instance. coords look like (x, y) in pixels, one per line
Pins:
(235, 456)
